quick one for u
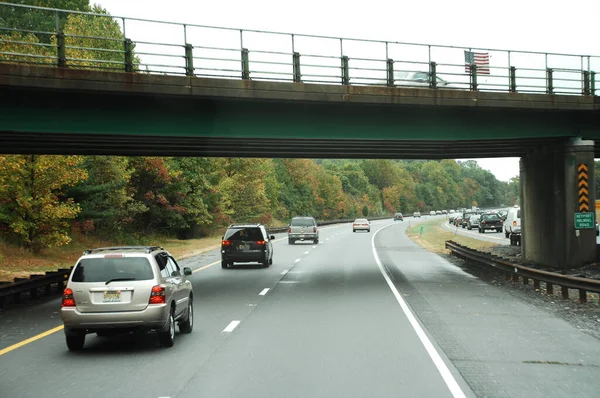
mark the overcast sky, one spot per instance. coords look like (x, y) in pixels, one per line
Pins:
(529, 25)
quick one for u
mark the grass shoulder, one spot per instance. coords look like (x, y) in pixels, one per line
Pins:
(432, 237)
(16, 262)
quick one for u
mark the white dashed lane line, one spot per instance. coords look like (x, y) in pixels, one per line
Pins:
(307, 252)
(263, 292)
(284, 272)
(231, 326)
(297, 260)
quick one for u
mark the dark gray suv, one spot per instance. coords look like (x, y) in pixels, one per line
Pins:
(246, 244)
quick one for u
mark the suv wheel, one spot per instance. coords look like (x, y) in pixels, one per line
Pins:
(271, 261)
(290, 241)
(187, 325)
(266, 262)
(506, 234)
(75, 341)
(166, 338)
(224, 264)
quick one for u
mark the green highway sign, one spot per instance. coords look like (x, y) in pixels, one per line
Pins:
(584, 220)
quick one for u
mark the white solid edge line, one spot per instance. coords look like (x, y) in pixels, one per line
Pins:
(264, 291)
(433, 354)
(231, 326)
(284, 272)
(306, 252)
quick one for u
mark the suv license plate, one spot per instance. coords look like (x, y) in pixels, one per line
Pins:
(112, 296)
(244, 247)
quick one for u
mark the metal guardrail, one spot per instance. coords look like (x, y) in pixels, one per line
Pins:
(33, 285)
(515, 271)
(36, 282)
(218, 52)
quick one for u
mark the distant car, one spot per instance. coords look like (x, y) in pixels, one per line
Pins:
(512, 224)
(303, 228)
(444, 211)
(418, 79)
(438, 212)
(246, 243)
(398, 216)
(432, 213)
(416, 214)
(361, 224)
(127, 288)
(473, 221)
(490, 221)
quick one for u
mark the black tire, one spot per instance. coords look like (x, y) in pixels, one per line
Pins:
(369, 230)
(290, 241)
(512, 240)
(498, 230)
(480, 230)
(353, 230)
(506, 234)
(188, 325)
(224, 264)
(271, 261)
(75, 341)
(166, 338)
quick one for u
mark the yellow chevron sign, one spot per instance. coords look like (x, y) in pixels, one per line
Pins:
(583, 185)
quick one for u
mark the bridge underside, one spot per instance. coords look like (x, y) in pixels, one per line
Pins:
(145, 145)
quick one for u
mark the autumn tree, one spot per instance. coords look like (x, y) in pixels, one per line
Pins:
(33, 201)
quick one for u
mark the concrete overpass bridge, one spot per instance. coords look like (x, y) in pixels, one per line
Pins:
(61, 108)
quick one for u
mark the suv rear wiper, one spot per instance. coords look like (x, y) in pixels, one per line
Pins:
(119, 279)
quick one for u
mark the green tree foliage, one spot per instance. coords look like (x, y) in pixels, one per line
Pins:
(40, 20)
(192, 197)
(33, 202)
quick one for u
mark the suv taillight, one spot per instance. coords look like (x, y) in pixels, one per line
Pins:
(260, 242)
(226, 243)
(514, 223)
(314, 229)
(68, 300)
(289, 230)
(157, 295)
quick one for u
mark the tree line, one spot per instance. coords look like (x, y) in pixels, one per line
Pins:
(46, 199)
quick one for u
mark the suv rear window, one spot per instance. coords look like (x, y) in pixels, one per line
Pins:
(105, 269)
(303, 222)
(244, 233)
(490, 217)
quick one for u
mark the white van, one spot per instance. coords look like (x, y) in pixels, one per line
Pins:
(512, 224)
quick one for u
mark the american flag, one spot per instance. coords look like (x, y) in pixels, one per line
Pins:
(482, 60)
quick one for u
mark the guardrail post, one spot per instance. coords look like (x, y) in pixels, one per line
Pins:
(345, 70)
(128, 46)
(61, 50)
(512, 79)
(389, 68)
(549, 85)
(586, 82)
(473, 74)
(432, 75)
(593, 82)
(189, 59)
(245, 64)
(296, 67)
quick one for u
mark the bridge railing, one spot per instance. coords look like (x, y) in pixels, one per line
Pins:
(70, 39)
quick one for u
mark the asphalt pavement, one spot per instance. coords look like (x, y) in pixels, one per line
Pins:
(358, 315)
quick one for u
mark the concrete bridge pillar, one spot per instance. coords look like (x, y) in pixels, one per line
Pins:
(550, 198)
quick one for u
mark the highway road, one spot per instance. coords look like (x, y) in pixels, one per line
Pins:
(358, 315)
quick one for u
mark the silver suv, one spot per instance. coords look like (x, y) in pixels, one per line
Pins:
(124, 289)
(303, 228)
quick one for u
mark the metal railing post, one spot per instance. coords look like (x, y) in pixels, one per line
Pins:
(389, 67)
(512, 79)
(585, 75)
(245, 64)
(128, 46)
(345, 70)
(296, 67)
(549, 83)
(473, 77)
(432, 75)
(61, 50)
(593, 82)
(189, 59)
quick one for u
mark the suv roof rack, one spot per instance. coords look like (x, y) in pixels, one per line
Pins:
(146, 249)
